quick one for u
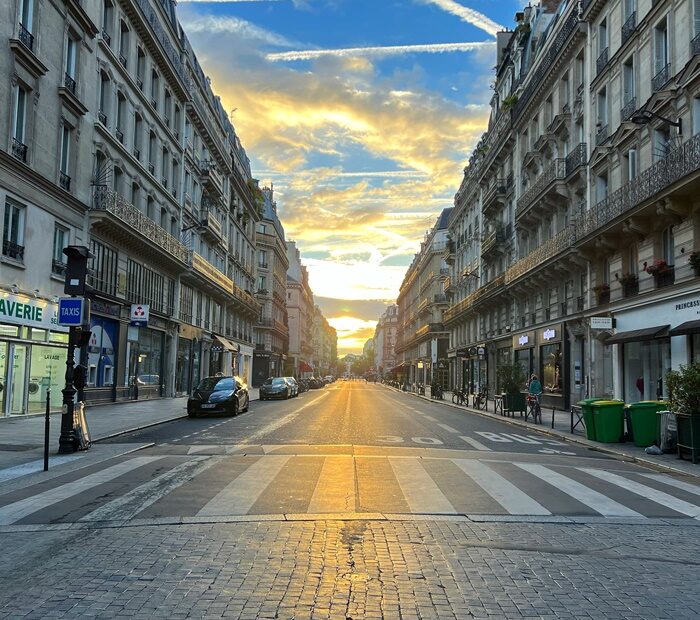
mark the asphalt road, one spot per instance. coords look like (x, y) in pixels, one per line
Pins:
(354, 501)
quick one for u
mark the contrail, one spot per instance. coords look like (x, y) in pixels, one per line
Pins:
(468, 15)
(390, 50)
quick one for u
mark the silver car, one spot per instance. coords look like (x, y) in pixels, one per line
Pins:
(293, 386)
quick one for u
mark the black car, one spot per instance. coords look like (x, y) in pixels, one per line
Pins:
(315, 383)
(303, 385)
(276, 387)
(227, 395)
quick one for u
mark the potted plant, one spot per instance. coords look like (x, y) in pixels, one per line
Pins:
(630, 284)
(694, 261)
(509, 101)
(663, 272)
(684, 401)
(602, 293)
(511, 378)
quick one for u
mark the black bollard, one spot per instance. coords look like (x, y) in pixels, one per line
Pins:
(47, 424)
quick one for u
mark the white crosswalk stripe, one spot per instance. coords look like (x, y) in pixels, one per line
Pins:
(238, 497)
(654, 495)
(419, 490)
(335, 489)
(130, 504)
(23, 508)
(503, 491)
(591, 498)
(672, 482)
(474, 443)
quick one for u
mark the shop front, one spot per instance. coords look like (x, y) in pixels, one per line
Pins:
(503, 357)
(103, 352)
(187, 363)
(651, 340)
(551, 347)
(146, 362)
(524, 353)
(32, 354)
(244, 364)
(223, 356)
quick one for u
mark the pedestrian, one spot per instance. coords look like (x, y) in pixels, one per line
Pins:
(534, 387)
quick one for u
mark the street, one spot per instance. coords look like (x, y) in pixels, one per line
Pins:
(352, 501)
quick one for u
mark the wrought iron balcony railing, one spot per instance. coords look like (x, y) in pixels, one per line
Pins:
(106, 37)
(105, 199)
(560, 242)
(695, 45)
(26, 37)
(628, 109)
(64, 181)
(677, 164)
(122, 59)
(555, 170)
(601, 62)
(19, 150)
(661, 78)
(69, 83)
(629, 27)
(12, 250)
(577, 157)
(102, 117)
(601, 135)
(120, 135)
(139, 83)
(58, 267)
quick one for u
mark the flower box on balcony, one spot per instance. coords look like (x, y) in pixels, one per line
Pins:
(630, 284)
(664, 274)
(694, 261)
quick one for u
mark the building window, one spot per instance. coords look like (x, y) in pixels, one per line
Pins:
(140, 66)
(19, 123)
(631, 164)
(662, 143)
(123, 43)
(26, 23)
(13, 231)
(138, 133)
(633, 259)
(104, 98)
(64, 171)
(154, 89)
(103, 268)
(61, 236)
(121, 116)
(107, 20)
(628, 82)
(668, 246)
(71, 63)
(117, 180)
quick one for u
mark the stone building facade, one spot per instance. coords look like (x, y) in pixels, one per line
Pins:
(385, 341)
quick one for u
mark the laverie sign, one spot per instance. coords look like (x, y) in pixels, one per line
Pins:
(22, 310)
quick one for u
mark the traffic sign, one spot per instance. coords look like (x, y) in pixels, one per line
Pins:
(139, 315)
(73, 311)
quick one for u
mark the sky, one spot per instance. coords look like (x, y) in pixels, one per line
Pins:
(362, 113)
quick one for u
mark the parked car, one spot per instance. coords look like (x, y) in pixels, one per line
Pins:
(303, 385)
(315, 383)
(293, 385)
(276, 387)
(329, 378)
(227, 395)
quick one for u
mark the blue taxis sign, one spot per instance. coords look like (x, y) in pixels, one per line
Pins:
(71, 311)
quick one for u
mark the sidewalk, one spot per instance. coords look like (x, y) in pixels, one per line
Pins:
(22, 437)
(558, 424)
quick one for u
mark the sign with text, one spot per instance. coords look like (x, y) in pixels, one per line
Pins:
(73, 311)
(601, 322)
(139, 315)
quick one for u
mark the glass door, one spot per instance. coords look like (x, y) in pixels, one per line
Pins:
(3, 376)
(17, 379)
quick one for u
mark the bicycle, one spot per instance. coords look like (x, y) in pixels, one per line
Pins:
(459, 397)
(534, 408)
(481, 399)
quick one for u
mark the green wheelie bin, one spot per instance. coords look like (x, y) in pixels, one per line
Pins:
(645, 426)
(587, 412)
(609, 420)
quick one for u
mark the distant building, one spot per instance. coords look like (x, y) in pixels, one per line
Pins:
(300, 309)
(385, 340)
(272, 331)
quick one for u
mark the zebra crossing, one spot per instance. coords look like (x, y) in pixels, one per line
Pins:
(226, 485)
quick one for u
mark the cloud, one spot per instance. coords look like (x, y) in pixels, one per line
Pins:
(210, 24)
(468, 15)
(380, 51)
(222, 1)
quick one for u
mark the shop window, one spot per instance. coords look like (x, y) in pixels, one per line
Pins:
(645, 366)
(102, 351)
(551, 368)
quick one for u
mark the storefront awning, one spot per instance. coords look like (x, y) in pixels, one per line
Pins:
(636, 335)
(689, 327)
(226, 344)
(304, 367)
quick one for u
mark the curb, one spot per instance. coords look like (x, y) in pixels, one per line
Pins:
(138, 428)
(559, 435)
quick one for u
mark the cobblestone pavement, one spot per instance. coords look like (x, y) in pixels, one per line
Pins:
(354, 569)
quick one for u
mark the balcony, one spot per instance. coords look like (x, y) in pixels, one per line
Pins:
(494, 240)
(556, 170)
(137, 153)
(629, 27)
(495, 194)
(139, 83)
(647, 185)
(122, 60)
(602, 134)
(152, 168)
(561, 120)
(124, 222)
(120, 135)
(430, 328)
(601, 62)
(630, 286)
(58, 268)
(25, 37)
(19, 150)
(448, 254)
(13, 250)
(561, 242)
(64, 181)
(628, 109)
(102, 117)
(439, 298)
(576, 158)
(661, 78)
(69, 83)
(210, 227)
(211, 179)
(106, 37)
